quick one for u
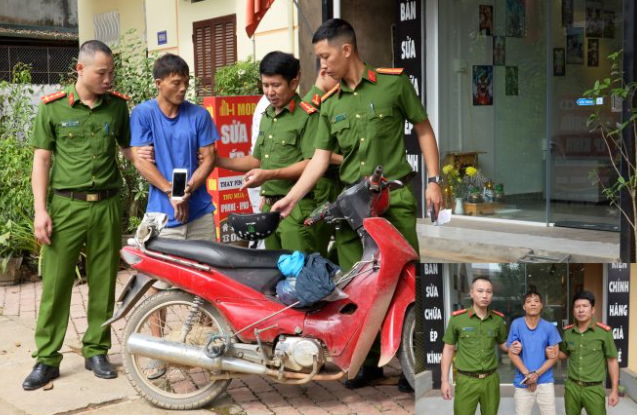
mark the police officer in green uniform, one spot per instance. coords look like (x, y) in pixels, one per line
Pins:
(589, 347)
(82, 126)
(329, 186)
(475, 331)
(282, 151)
(364, 117)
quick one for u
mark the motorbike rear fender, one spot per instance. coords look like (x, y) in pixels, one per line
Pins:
(392, 328)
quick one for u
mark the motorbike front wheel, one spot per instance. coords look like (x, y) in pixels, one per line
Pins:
(164, 384)
(406, 353)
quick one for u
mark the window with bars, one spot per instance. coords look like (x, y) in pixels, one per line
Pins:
(215, 42)
(48, 64)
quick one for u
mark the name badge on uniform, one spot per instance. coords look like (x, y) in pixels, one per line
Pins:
(340, 117)
(70, 123)
(467, 329)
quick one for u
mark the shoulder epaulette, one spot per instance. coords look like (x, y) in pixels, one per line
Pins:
(604, 326)
(53, 97)
(390, 71)
(457, 313)
(330, 92)
(119, 95)
(498, 313)
(316, 100)
(570, 326)
(307, 107)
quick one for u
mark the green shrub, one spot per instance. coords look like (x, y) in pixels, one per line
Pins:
(240, 78)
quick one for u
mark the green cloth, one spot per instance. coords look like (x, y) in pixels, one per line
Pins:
(401, 214)
(587, 352)
(292, 234)
(83, 140)
(476, 339)
(472, 391)
(368, 124)
(76, 223)
(592, 398)
(283, 140)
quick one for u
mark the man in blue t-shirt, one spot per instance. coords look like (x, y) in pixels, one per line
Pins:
(179, 132)
(534, 374)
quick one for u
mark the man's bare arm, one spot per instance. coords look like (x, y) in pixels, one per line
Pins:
(206, 166)
(241, 164)
(42, 225)
(150, 172)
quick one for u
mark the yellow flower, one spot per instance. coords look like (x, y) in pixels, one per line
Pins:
(471, 171)
(447, 169)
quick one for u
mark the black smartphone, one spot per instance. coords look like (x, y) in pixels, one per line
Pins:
(432, 214)
(180, 179)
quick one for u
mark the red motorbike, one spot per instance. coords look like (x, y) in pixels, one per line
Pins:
(224, 320)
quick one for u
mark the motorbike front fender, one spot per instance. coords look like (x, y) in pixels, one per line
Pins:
(391, 332)
(134, 290)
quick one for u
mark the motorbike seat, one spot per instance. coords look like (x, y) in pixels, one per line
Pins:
(255, 268)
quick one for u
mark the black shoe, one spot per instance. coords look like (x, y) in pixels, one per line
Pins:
(101, 367)
(364, 377)
(40, 376)
(403, 384)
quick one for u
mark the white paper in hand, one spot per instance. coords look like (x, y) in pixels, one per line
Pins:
(444, 216)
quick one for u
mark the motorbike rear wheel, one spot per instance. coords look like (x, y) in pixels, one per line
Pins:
(407, 351)
(179, 387)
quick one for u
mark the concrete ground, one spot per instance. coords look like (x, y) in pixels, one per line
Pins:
(467, 239)
(78, 391)
(432, 404)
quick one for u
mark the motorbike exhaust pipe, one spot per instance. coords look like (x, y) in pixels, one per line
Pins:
(188, 355)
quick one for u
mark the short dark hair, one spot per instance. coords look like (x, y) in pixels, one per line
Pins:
(170, 64)
(476, 279)
(530, 293)
(334, 29)
(91, 47)
(585, 295)
(280, 63)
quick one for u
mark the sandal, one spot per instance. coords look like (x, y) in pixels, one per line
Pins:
(155, 369)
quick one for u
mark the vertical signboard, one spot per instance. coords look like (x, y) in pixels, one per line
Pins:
(408, 52)
(433, 317)
(617, 305)
(233, 118)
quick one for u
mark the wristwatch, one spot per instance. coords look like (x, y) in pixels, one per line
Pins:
(435, 179)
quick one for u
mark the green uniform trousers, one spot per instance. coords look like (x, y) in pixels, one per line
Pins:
(473, 391)
(401, 214)
(291, 233)
(75, 223)
(326, 191)
(592, 398)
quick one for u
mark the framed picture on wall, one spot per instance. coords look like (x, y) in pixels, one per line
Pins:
(559, 62)
(567, 13)
(515, 17)
(592, 52)
(594, 22)
(482, 85)
(512, 86)
(486, 20)
(499, 50)
(609, 24)
(575, 46)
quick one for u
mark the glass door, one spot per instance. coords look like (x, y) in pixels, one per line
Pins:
(582, 34)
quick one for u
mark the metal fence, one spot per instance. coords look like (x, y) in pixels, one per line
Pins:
(48, 64)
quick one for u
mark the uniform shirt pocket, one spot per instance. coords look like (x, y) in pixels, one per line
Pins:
(340, 128)
(286, 150)
(382, 121)
(71, 140)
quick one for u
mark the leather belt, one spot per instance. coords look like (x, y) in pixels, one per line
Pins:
(585, 384)
(87, 196)
(477, 375)
(270, 200)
